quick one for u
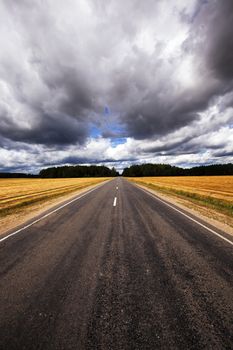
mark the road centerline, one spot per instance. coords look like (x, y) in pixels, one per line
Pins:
(115, 201)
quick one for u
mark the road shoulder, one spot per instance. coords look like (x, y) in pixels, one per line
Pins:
(15, 221)
(210, 217)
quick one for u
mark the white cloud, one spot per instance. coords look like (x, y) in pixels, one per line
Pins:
(62, 62)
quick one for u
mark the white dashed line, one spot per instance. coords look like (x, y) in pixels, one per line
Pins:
(115, 202)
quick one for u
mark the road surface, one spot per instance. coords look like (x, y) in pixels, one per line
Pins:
(116, 269)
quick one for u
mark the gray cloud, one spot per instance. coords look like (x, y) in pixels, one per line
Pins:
(224, 154)
(159, 65)
(163, 106)
(220, 49)
(48, 130)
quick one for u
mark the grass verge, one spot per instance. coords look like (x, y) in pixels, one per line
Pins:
(20, 203)
(225, 207)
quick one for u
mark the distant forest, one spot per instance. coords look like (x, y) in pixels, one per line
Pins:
(133, 170)
(168, 170)
(16, 175)
(78, 171)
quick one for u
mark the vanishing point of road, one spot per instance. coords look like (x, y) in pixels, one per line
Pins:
(116, 269)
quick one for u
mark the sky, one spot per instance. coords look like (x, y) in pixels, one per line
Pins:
(115, 82)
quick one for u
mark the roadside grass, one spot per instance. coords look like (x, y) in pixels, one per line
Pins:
(203, 191)
(17, 195)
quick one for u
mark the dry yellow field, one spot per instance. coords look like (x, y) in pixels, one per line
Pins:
(18, 194)
(213, 191)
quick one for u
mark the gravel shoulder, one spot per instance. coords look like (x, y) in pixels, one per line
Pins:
(11, 221)
(210, 216)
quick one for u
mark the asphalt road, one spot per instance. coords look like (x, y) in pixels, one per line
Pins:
(125, 273)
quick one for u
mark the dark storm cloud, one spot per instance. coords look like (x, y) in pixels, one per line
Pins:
(224, 153)
(188, 148)
(169, 146)
(154, 118)
(53, 91)
(86, 160)
(141, 87)
(155, 115)
(13, 169)
(76, 95)
(156, 64)
(159, 116)
(220, 50)
(48, 130)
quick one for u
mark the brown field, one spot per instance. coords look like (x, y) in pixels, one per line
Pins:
(20, 197)
(215, 192)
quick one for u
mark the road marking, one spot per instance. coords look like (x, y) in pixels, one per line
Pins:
(50, 213)
(117, 187)
(187, 216)
(115, 201)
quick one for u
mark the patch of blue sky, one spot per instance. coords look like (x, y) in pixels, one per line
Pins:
(117, 141)
(95, 132)
(116, 132)
(119, 133)
(117, 129)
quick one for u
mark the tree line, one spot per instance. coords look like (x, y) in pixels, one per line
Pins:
(169, 170)
(78, 171)
(133, 170)
(16, 175)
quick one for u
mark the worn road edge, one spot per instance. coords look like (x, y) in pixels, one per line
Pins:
(192, 217)
(49, 212)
